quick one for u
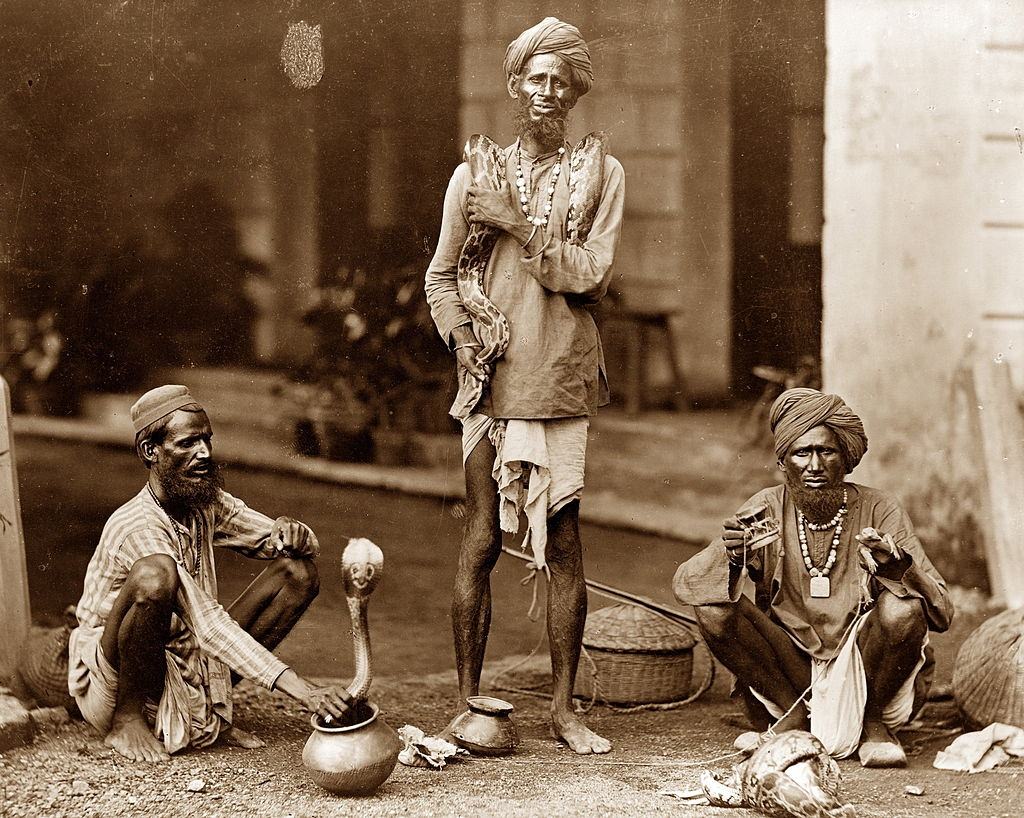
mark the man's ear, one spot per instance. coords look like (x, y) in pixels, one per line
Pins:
(148, 452)
(512, 85)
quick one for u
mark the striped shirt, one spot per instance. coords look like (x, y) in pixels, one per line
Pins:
(205, 641)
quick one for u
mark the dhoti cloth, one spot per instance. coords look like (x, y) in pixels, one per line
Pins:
(538, 466)
(839, 691)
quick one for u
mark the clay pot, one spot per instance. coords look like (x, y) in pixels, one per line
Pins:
(351, 760)
(486, 728)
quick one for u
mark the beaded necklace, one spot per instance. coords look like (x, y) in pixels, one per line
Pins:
(539, 219)
(821, 586)
(197, 555)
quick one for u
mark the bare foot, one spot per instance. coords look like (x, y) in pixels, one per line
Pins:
(880, 747)
(568, 728)
(133, 739)
(448, 734)
(236, 737)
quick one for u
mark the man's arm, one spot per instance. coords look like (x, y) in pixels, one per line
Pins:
(584, 270)
(243, 529)
(560, 266)
(441, 281)
(914, 575)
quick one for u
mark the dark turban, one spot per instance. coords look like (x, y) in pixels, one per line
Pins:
(552, 36)
(797, 411)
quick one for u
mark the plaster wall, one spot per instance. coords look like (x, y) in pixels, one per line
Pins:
(924, 231)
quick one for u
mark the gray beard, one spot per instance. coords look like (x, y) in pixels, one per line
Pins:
(191, 495)
(818, 505)
(549, 131)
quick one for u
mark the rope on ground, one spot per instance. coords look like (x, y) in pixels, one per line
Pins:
(675, 617)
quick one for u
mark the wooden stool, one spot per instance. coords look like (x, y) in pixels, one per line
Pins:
(640, 329)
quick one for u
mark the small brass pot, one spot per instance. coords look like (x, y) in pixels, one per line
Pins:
(487, 727)
(354, 759)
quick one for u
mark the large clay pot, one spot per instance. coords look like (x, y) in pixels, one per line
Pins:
(352, 760)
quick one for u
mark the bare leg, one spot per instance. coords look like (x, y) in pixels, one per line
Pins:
(567, 614)
(760, 653)
(133, 641)
(268, 609)
(481, 547)
(890, 646)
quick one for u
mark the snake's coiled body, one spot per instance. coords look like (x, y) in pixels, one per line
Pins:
(791, 774)
(486, 162)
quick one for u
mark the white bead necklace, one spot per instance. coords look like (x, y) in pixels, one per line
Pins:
(539, 219)
(821, 586)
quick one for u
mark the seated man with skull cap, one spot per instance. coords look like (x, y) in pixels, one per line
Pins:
(836, 638)
(529, 358)
(151, 661)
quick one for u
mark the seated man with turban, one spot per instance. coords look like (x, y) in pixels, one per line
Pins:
(150, 662)
(525, 419)
(836, 638)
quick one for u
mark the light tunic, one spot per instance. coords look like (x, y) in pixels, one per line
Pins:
(205, 641)
(826, 628)
(782, 583)
(554, 365)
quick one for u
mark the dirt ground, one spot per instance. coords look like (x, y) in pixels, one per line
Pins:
(67, 491)
(70, 773)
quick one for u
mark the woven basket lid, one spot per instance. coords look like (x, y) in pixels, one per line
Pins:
(988, 677)
(629, 628)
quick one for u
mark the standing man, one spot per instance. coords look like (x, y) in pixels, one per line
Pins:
(525, 439)
(149, 664)
(844, 593)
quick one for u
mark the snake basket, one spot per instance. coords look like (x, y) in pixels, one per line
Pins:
(635, 657)
(988, 676)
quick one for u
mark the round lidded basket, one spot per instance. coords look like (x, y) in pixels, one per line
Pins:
(988, 675)
(637, 657)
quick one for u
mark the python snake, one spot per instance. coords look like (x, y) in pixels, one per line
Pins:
(486, 162)
(791, 774)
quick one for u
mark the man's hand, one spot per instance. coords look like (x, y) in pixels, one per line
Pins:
(331, 701)
(497, 208)
(879, 554)
(467, 358)
(292, 538)
(733, 536)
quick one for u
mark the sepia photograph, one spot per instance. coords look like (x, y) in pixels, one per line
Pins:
(511, 408)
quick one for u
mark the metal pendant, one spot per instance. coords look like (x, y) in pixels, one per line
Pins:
(821, 588)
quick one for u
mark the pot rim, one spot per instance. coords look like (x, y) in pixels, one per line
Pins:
(489, 705)
(348, 728)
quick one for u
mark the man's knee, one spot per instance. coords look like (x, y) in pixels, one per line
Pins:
(153, 580)
(300, 575)
(716, 621)
(901, 619)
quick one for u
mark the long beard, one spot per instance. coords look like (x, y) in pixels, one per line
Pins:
(190, 493)
(817, 505)
(548, 131)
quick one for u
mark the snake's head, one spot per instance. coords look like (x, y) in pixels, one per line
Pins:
(361, 565)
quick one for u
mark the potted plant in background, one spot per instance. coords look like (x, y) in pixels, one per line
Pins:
(378, 373)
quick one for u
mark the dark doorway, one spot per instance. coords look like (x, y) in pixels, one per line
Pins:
(778, 79)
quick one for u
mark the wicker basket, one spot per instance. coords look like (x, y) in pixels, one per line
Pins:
(637, 657)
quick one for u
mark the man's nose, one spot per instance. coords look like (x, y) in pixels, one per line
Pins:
(548, 88)
(815, 463)
(204, 450)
